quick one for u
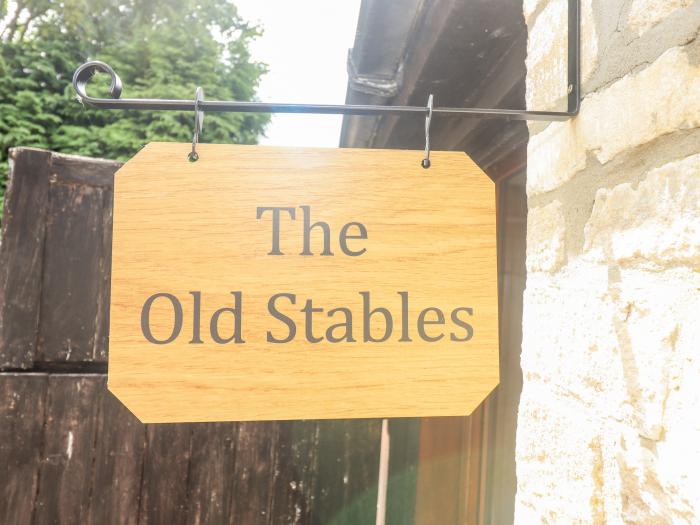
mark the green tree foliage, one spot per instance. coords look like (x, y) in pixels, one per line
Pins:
(159, 48)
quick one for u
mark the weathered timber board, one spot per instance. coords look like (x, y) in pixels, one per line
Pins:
(70, 452)
(21, 256)
(74, 320)
(22, 413)
(55, 259)
(67, 448)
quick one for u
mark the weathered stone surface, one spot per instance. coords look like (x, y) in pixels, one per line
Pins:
(558, 484)
(645, 14)
(657, 223)
(554, 156)
(631, 112)
(659, 458)
(623, 49)
(608, 423)
(606, 428)
(546, 60)
(643, 106)
(569, 336)
(547, 54)
(530, 6)
(546, 250)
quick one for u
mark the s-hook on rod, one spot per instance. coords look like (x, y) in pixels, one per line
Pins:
(85, 72)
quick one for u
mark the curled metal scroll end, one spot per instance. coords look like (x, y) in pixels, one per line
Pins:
(428, 117)
(198, 124)
(84, 73)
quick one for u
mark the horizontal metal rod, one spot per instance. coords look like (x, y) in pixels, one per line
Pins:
(85, 72)
(325, 109)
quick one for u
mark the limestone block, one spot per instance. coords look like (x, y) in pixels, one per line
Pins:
(643, 106)
(655, 224)
(607, 337)
(547, 53)
(659, 457)
(633, 111)
(554, 156)
(654, 309)
(530, 6)
(546, 250)
(613, 353)
(677, 465)
(569, 336)
(565, 460)
(574, 466)
(546, 61)
(645, 14)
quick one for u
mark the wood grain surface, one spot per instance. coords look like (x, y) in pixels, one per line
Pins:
(181, 227)
(54, 260)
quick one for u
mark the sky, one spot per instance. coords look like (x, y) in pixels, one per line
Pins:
(305, 44)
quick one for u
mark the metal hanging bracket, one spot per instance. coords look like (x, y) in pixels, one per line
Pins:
(198, 123)
(85, 72)
(426, 159)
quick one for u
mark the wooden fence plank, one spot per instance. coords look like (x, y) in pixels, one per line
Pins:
(347, 472)
(22, 407)
(210, 483)
(296, 462)
(67, 453)
(21, 256)
(256, 443)
(362, 445)
(118, 460)
(332, 474)
(77, 254)
(73, 169)
(57, 228)
(165, 470)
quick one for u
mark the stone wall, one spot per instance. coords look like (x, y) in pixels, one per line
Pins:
(609, 418)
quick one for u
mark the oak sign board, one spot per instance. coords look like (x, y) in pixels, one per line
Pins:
(264, 283)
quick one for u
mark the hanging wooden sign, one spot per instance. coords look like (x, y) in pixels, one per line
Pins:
(263, 283)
